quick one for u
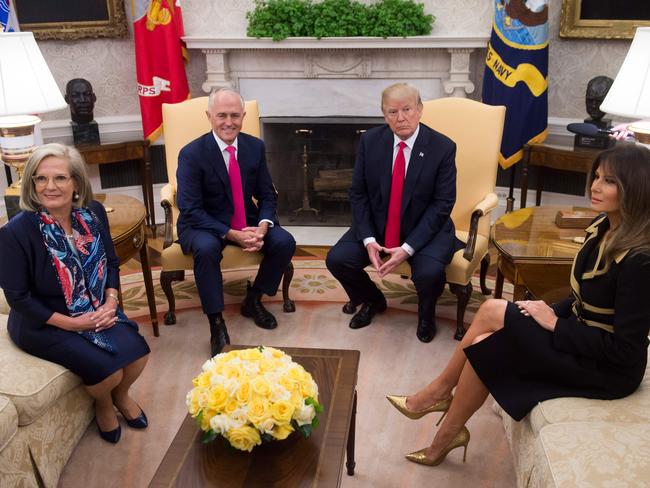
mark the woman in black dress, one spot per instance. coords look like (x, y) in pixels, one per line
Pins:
(591, 345)
(59, 272)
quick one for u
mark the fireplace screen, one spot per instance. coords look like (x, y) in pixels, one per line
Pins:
(311, 161)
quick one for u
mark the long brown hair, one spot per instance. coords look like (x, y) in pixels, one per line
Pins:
(629, 164)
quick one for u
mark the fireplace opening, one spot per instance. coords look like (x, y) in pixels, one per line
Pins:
(311, 162)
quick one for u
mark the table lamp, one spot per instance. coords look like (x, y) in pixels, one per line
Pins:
(26, 87)
(629, 96)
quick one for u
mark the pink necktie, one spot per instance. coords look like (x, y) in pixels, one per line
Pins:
(238, 221)
(395, 202)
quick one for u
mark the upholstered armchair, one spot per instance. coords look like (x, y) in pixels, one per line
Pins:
(476, 129)
(184, 122)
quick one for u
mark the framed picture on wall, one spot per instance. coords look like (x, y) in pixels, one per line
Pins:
(603, 19)
(72, 19)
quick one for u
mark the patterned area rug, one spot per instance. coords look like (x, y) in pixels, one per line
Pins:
(311, 282)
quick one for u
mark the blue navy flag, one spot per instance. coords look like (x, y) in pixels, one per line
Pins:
(8, 20)
(516, 71)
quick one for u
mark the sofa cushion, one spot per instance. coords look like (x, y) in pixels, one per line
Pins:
(597, 453)
(33, 386)
(8, 421)
(631, 409)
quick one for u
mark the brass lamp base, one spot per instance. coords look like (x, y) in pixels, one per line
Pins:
(12, 201)
(17, 142)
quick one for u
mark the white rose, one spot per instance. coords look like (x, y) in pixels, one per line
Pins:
(304, 415)
(231, 385)
(207, 366)
(251, 369)
(279, 392)
(239, 416)
(222, 424)
(267, 425)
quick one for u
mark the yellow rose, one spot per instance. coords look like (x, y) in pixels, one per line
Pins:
(297, 373)
(251, 354)
(233, 371)
(244, 393)
(208, 413)
(244, 438)
(282, 431)
(282, 411)
(296, 398)
(258, 410)
(202, 380)
(231, 406)
(307, 389)
(217, 397)
(266, 365)
(261, 387)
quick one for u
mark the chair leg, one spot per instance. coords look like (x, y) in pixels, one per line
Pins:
(288, 305)
(463, 293)
(166, 279)
(485, 264)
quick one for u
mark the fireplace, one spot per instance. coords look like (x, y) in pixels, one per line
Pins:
(311, 161)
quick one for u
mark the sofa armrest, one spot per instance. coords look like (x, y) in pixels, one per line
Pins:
(4, 306)
(481, 209)
(167, 202)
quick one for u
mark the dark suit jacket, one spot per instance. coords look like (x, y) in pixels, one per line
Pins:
(428, 196)
(611, 306)
(28, 278)
(203, 187)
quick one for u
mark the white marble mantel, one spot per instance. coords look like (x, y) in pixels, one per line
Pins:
(294, 76)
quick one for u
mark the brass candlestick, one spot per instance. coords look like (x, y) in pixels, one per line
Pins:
(306, 205)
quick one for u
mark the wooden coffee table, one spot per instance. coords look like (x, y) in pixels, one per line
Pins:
(126, 219)
(295, 462)
(534, 253)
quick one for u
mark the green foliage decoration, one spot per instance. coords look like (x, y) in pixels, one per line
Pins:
(280, 19)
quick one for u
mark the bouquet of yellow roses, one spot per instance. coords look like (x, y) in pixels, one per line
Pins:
(253, 395)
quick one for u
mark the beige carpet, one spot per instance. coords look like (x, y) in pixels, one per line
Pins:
(392, 361)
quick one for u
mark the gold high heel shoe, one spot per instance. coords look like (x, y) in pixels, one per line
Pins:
(460, 440)
(399, 402)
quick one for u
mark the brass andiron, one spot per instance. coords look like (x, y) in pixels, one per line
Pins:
(306, 205)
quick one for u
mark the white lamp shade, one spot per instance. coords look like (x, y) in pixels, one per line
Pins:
(629, 96)
(26, 84)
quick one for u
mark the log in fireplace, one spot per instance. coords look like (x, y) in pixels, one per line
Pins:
(311, 162)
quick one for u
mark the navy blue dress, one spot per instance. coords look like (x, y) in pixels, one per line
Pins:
(600, 343)
(29, 281)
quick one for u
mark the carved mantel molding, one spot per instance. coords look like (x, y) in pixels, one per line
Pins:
(440, 65)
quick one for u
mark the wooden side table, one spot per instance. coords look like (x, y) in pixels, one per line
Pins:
(126, 151)
(564, 158)
(126, 218)
(534, 254)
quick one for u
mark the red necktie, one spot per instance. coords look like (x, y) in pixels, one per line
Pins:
(395, 202)
(238, 221)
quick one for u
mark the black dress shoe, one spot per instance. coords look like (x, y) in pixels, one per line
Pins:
(218, 334)
(426, 330)
(349, 308)
(365, 314)
(252, 307)
(111, 436)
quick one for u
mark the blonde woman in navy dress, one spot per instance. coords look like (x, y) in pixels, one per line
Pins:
(59, 272)
(593, 344)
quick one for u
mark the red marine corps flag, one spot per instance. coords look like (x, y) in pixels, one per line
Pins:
(159, 59)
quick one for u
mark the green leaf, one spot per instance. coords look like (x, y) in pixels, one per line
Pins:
(209, 436)
(306, 430)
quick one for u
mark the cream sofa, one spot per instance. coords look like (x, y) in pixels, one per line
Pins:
(571, 442)
(44, 411)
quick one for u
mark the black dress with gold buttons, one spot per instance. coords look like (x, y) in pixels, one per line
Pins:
(599, 346)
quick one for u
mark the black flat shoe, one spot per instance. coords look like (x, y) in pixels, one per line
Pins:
(140, 422)
(426, 330)
(111, 436)
(365, 314)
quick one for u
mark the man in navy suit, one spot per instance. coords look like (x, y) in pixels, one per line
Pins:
(218, 176)
(402, 193)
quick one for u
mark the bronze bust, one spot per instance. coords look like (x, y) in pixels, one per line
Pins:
(597, 89)
(81, 98)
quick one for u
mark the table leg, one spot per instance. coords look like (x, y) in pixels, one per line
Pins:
(148, 284)
(541, 172)
(350, 464)
(147, 188)
(498, 286)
